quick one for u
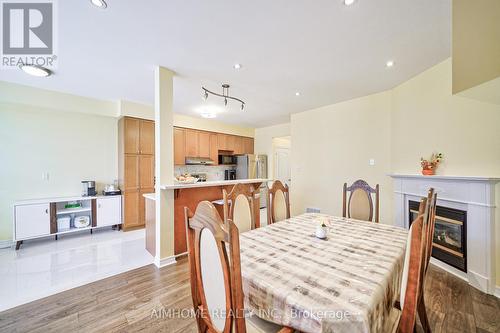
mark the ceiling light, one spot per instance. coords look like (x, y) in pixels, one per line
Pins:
(225, 95)
(297, 93)
(208, 115)
(389, 64)
(34, 70)
(349, 2)
(237, 66)
(99, 3)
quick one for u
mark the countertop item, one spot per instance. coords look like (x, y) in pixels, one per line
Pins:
(213, 183)
(336, 275)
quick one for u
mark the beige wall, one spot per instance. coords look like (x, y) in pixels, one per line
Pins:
(412, 120)
(132, 109)
(264, 143)
(475, 42)
(70, 146)
(333, 145)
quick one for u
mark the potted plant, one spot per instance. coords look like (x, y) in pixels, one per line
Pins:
(429, 166)
(321, 229)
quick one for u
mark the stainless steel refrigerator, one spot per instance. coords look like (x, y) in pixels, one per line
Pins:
(250, 167)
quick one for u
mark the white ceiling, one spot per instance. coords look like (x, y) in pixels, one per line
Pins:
(322, 48)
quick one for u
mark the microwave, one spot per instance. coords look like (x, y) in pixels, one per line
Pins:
(227, 159)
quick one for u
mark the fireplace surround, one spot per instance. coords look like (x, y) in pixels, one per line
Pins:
(474, 198)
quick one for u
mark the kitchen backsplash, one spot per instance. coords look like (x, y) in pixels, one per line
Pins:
(213, 172)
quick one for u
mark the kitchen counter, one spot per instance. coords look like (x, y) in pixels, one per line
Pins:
(213, 183)
(190, 195)
(150, 196)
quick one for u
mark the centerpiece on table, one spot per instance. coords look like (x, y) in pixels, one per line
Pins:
(321, 228)
(429, 166)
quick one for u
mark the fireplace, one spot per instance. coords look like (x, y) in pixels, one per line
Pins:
(450, 238)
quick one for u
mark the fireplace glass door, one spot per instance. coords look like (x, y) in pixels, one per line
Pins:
(449, 241)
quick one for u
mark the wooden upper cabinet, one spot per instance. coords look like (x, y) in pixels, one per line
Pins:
(230, 142)
(179, 146)
(147, 137)
(132, 135)
(238, 145)
(146, 171)
(221, 141)
(214, 149)
(191, 143)
(204, 144)
(248, 145)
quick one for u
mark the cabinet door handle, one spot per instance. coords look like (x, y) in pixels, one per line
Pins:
(47, 211)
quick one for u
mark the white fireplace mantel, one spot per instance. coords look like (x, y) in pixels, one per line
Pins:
(476, 195)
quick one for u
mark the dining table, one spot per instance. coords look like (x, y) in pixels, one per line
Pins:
(346, 282)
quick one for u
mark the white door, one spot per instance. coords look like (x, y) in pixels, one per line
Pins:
(109, 211)
(32, 221)
(282, 165)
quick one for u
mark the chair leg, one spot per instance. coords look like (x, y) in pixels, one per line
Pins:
(422, 315)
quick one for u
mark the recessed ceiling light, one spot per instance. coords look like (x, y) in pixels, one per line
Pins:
(208, 115)
(237, 66)
(389, 63)
(297, 93)
(349, 2)
(99, 3)
(34, 70)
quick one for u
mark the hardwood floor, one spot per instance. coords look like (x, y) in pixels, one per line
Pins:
(133, 301)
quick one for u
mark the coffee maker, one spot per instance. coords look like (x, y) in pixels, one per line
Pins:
(88, 188)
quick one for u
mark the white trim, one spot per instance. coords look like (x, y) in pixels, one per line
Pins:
(5, 244)
(497, 291)
(165, 261)
(451, 200)
(442, 177)
(450, 269)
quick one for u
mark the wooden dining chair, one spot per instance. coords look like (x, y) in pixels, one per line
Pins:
(360, 204)
(403, 320)
(215, 272)
(239, 207)
(429, 223)
(278, 202)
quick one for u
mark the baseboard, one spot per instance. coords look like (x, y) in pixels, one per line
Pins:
(165, 261)
(5, 244)
(497, 291)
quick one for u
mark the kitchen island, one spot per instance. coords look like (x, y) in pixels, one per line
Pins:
(189, 195)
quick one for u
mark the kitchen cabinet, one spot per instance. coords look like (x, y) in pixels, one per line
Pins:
(146, 172)
(179, 146)
(214, 151)
(192, 145)
(204, 144)
(39, 217)
(147, 137)
(136, 167)
(109, 211)
(131, 135)
(32, 220)
(221, 141)
(230, 142)
(248, 145)
(239, 145)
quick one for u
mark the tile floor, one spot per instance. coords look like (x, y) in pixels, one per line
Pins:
(45, 267)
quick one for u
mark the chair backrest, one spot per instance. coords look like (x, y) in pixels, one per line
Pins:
(214, 259)
(431, 222)
(411, 283)
(278, 202)
(239, 207)
(360, 204)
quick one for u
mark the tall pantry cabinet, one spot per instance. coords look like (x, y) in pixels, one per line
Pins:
(136, 167)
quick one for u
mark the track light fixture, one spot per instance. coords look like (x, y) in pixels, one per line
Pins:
(225, 95)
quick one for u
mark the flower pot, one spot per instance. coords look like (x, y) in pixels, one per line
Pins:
(428, 172)
(320, 232)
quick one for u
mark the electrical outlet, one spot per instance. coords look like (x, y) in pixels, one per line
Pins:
(313, 210)
(372, 161)
(45, 176)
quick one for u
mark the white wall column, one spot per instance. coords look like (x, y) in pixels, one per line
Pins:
(164, 166)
